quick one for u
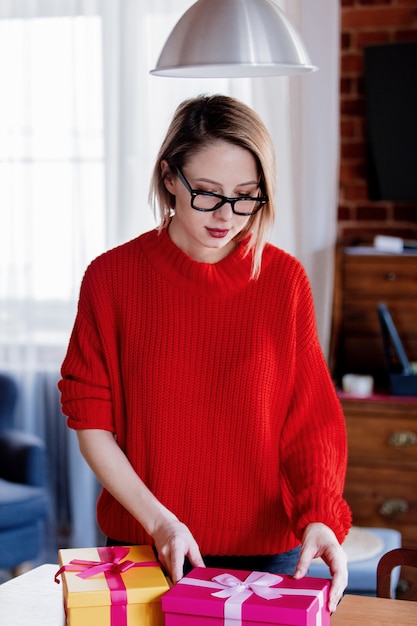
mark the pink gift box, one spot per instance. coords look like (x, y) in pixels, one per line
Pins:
(214, 597)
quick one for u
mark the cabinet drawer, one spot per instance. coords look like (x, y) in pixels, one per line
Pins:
(383, 497)
(360, 316)
(383, 439)
(380, 275)
(386, 407)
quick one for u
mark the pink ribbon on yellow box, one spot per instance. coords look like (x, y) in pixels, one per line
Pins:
(236, 591)
(112, 565)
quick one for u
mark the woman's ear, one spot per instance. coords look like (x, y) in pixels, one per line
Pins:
(168, 176)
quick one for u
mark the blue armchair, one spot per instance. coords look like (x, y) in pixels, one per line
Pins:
(24, 501)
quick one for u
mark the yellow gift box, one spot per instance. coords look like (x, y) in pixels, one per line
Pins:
(117, 586)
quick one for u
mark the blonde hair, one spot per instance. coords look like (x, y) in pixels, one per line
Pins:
(196, 123)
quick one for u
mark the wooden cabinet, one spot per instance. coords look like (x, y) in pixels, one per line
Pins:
(381, 481)
(365, 278)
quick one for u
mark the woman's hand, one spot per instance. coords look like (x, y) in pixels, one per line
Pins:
(320, 541)
(173, 542)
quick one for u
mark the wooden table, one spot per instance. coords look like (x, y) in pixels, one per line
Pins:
(34, 599)
(365, 611)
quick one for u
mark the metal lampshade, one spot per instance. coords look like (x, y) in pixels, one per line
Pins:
(233, 38)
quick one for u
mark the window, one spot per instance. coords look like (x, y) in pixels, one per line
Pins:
(51, 172)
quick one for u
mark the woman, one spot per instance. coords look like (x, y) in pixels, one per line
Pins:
(194, 376)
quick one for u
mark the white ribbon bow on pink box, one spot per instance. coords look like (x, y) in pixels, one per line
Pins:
(236, 591)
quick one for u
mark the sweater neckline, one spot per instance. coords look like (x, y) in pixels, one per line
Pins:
(224, 278)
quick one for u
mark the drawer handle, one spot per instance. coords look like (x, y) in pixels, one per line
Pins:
(390, 276)
(393, 507)
(402, 439)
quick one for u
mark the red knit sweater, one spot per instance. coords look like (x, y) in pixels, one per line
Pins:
(217, 390)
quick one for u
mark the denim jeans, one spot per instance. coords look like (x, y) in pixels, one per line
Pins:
(283, 563)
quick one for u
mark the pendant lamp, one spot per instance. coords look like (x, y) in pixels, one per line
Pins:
(233, 38)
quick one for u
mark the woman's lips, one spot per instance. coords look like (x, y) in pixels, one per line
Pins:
(218, 233)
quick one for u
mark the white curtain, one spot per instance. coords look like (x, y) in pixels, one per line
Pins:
(51, 221)
(301, 114)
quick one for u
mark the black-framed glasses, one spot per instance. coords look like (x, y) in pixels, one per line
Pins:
(208, 201)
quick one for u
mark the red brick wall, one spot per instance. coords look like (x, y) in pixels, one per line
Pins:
(367, 22)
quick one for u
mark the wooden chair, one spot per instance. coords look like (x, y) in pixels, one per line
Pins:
(393, 558)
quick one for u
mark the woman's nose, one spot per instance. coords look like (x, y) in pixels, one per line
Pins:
(225, 211)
